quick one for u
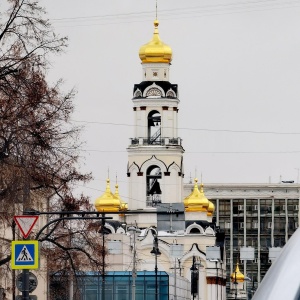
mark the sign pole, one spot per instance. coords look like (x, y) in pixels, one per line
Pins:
(25, 292)
(25, 224)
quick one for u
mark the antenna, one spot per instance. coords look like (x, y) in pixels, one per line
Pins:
(156, 11)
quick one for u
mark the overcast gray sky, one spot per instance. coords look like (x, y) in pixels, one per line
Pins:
(237, 64)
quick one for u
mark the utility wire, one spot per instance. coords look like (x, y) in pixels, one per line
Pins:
(183, 10)
(190, 12)
(193, 129)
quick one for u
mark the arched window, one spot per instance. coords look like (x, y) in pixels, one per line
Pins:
(154, 128)
(153, 178)
(194, 231)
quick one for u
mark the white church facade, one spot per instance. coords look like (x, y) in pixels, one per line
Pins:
(158, 218)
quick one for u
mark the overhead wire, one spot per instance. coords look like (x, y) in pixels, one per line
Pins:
(192, 129)
(183, 12)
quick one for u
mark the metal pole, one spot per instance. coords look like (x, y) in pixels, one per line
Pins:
(13, 271)
(217, 280)
(156, 292)
(193, 274)
(25, 292)
(135, 230)
(175, 283)
(103, 260)
(235, 282)
(134, 266)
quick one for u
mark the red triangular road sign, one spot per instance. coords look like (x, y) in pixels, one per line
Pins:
(25, 223)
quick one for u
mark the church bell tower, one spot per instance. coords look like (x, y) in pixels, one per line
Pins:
(155, 153)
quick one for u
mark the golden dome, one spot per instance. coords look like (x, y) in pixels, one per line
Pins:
(155, 51)
(210, 209)
(124, 205)
(237, 275)
(196, 201)
(108, 202)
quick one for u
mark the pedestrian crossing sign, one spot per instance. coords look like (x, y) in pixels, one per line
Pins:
(25, 255)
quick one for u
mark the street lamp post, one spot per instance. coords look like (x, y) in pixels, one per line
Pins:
(155, 251)
(194, 278)
(235, 282)
(134, 230)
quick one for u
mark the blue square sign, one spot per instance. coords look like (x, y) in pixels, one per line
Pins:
(25, 255)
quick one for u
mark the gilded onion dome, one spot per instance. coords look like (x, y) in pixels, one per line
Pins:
(108, 202)
(237, 275)
(196, 201)
(155, 51)
(210, 209)
(124, 205)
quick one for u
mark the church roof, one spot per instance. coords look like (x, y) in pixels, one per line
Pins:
(196, 201)
(237, 275)
(155, 51)
(108, 202)
(165, 85)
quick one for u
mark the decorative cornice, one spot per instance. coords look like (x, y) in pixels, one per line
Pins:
(155, 102)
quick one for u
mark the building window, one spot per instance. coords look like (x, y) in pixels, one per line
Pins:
(153, 185)
(154, 128)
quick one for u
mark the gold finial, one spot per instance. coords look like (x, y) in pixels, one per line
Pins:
(108, 185)
(156, 23)
(155, 51)
(201, 187)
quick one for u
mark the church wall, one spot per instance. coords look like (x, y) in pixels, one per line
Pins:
(169, 125)
(137, 189)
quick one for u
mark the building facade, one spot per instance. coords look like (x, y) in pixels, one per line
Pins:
(156, 206)
(261, 216)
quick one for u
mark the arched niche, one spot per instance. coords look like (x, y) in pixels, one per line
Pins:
(154, 128)
(153, 181)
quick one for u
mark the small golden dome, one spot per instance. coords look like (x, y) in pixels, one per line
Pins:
(210, 209)
(155, 51)
(108, 202)
(196, 201)
(237, 275)
(123, 204)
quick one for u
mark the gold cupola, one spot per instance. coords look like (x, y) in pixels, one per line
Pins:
(196, 201)
(155, 51)
(210, 209)
(237, 275)
(124, 205)
(108, 202)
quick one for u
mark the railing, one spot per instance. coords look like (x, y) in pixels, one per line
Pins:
(161, 141)
(153, 200)
(156, 137)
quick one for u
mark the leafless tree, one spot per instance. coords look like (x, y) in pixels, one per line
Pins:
(39, 145)
(25, 34)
